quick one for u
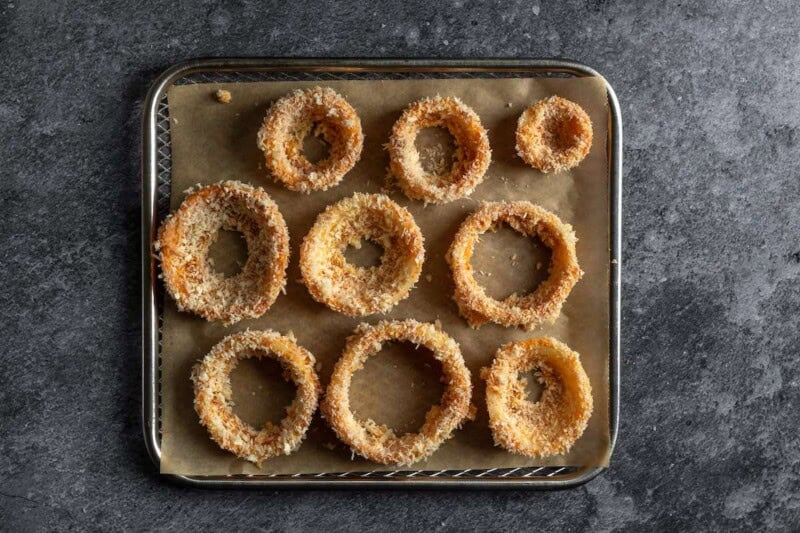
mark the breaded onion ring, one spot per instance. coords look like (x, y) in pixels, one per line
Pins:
(554, 135)
(213, 395)
(377, 442)
(287, 124)
(184, 240)
(553, 424)
(529, 310)
(472, 155)
(350, 289)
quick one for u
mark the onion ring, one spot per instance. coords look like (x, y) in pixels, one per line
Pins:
(290, 120)
(554, 135)
(350, 289)
(212, 395)
(377, 442)
(184, 240)
(472, 155)
(553, 424)
(529, 310)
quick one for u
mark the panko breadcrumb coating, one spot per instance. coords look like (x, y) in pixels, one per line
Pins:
(186, 236)
(287, 124)
(378, 442)
(551, 425)
(213, 395)
(471, 158)
(350, 289)
(528, 310)
(554, 134)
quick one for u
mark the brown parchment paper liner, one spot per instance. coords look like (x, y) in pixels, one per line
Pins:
(211, 142)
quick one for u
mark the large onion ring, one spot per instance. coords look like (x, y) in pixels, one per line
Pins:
(554, 134)
(350, 289)
(529, 310)
(377, 442)
(472, 155)
(185, 237)
(212, 395)
(289, 121)
(553, 424)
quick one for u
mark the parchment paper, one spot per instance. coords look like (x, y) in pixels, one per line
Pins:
(212, 142)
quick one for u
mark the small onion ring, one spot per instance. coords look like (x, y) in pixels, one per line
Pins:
(378, 442)
(553, 424)
(186, 236)
(213, 395)
(472, 156)
(554, 134)
(287, 124)
(350, 289)
(529, 310)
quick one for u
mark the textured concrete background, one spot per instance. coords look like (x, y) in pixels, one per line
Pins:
(711, 107)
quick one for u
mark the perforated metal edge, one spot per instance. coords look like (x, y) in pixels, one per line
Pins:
(156, 172)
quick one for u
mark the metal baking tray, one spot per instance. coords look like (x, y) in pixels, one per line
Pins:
(156, 175)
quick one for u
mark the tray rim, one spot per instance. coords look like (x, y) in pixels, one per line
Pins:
(149, 176)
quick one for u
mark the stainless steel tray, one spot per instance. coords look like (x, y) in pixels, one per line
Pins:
(156, 175)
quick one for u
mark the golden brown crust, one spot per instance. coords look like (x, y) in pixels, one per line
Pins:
(529, 310)
(377, 442)
(554, 134)
(213, 396)
(184, 240)
(553, 424)
(353, 290)
(289, 121)
(472, 156)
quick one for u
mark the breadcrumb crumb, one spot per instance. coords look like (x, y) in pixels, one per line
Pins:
(223, 96)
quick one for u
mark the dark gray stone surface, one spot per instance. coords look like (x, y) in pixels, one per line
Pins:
(711, 106)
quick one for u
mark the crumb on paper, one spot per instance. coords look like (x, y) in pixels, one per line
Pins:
(538, 265)
(175, 121)
(329, 446)
(509, 104)
(613, 261)
(223, 96)
(429, 278)
(434, 158)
